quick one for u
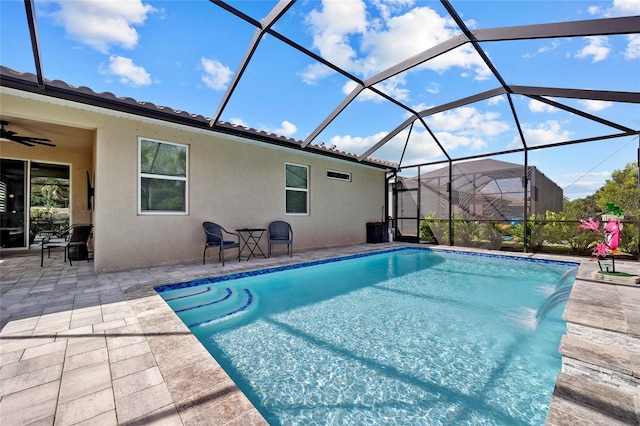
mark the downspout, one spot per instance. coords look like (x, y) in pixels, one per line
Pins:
(525, 183)
(386, 199)
(419, 205)
(450, 189)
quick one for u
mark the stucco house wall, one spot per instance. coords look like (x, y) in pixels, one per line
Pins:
(232, 181)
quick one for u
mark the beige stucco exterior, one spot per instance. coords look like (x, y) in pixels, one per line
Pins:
(234, 182)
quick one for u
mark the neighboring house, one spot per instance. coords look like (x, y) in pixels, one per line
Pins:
(483, 189)
(157, 174)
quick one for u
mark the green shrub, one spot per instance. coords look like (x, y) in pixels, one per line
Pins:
(492, 233)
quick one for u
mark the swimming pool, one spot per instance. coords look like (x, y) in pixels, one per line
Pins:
(408, 336)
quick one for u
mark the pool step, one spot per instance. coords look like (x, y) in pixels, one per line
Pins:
(191, 299)
(187, 293)
(620, 365)
(611, 400)
(580, 401)
(230, 304)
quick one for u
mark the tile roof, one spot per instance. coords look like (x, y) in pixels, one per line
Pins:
(59, 89)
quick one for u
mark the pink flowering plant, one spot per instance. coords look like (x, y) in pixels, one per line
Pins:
(610, 232)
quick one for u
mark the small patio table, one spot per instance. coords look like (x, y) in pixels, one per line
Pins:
(250, 240)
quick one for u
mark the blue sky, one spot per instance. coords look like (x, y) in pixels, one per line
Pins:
(183, 54)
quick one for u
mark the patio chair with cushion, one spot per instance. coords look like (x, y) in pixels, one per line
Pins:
(280, 232)
(73, 240)
(215, 238)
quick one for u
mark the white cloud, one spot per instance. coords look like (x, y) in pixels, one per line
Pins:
(286, 129)
(343, 34)
(216, 75)
(462, 127)
(387, 8)
(624, 8)
(392, 87)
(238, 122)
(127, 72)
(452, 142)
(315, 72)
(573, 176)
(543, 134)
(421, 107)
(593, 10)
(468, 121)
(537, 106)
(633, 48)
(356, 144)
(597, 48)
(592, 105)
(101, 24)
(580, 185)
(420, 149)
(496, 100)
(349, 86)
(433, 88)
(546, 48)
(332, 27)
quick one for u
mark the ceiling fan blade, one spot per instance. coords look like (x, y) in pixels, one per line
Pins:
(34, 139)
(41, 142)
(30, 140)
(23, 142)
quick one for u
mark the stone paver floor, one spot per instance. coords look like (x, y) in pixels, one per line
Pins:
(78, 348)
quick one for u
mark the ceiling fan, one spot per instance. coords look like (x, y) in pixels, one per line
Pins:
(24, 140)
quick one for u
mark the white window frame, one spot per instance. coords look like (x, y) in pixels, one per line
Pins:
(162, 177)
(305, 190)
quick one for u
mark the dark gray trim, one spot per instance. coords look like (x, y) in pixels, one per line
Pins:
(345, 103)
(592, 27)
(596, 95)
(582, 113)
(595, 27)
(35, 44)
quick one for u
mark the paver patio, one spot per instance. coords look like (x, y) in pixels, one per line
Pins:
(78, 348)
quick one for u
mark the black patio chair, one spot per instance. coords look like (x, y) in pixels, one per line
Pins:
(215, 238)
(73, 240)
(280, 232)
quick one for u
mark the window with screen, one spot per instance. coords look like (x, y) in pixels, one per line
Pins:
(296, 189)
(162, 177)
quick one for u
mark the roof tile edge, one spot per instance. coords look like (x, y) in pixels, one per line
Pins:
(29, 81)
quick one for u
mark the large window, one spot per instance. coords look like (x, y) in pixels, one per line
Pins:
(162, 177)
(296, 189)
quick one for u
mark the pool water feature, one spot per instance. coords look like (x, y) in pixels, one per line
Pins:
(409, 336)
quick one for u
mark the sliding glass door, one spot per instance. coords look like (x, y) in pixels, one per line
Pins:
(34, 201)
(14, 221)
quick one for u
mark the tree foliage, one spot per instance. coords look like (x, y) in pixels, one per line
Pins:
(621, 189)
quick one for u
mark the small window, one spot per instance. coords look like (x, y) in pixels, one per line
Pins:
(296, 189)
(162, 177)
(332, 174)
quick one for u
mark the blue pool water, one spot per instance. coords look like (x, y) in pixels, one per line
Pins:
(406, 337)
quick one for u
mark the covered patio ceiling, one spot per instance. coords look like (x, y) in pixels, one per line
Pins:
(492, 106)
